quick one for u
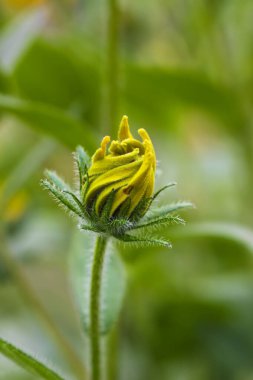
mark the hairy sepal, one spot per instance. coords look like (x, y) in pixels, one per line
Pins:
(143, 241)
(62, 198)
(157, 222)
(82, 161)
(163, 211)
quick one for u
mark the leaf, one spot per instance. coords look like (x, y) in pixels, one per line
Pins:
(164, 88)
(5, 82)
(24, 170)
(234, 232)
(113, 281)
(51, 73)
(16, 37)
(27, 362)
(49, 120)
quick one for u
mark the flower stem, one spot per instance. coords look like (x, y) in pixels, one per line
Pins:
(95, 349)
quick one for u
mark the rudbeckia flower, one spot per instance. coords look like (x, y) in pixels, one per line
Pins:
(116, 189)
(127, 169)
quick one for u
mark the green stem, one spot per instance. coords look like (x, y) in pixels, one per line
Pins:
(96, 276)
(31, 298)
(113, 65)
(112, 354)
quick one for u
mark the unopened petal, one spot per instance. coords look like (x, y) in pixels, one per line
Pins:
(124, 130)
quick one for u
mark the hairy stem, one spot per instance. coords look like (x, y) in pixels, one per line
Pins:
(96, 276)
(112, 354)
(31, 298)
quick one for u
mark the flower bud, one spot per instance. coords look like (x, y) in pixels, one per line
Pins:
(124, 169)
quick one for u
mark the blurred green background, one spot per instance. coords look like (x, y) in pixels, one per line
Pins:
(182, 69)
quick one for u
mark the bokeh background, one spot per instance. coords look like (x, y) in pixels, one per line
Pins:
(182, 69)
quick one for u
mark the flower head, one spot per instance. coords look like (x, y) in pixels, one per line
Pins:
(127, 169)
(116, 189)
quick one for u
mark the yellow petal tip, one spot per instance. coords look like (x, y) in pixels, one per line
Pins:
(101, 152)
(144, 134)
(124, 130)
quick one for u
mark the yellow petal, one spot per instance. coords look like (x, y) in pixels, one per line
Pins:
(112, 176)
(110, 162)
(124, 130)
(128, 168)
(137, 186)
(147, 142)
(101, 152)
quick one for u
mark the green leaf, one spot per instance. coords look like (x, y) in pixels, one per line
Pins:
(49, 120)
(234, 232)
(5, 83)
(18, 34)
(113, 281)
(164, 88)
(27, 362)
(51, 73)
(24, 170)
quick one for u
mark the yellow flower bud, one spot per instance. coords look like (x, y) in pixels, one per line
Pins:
(126, 167)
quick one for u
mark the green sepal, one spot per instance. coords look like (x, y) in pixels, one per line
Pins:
(82, 160)
(156, 222)
(118, 226)
(87, 227)
(62, 198)
(84, 186)
(56, 180)
(141, 209)
(162, 189)
(124, 208)
(143, 241)
(78, 203)
(167, 209)
(105, 214)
